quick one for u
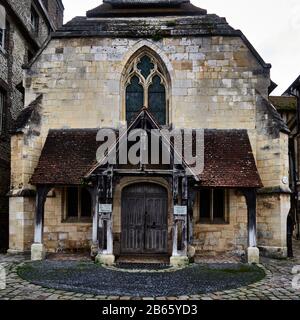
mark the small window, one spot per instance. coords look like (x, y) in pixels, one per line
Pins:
(2, 109)
(78, 204)
(34, 20)
(213, 206)
(2, 27)
(134, 98)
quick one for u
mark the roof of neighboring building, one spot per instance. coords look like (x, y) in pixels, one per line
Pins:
(284, 103)
(68, 155)
(294, 88)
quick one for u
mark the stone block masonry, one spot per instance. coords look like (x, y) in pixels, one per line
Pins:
(21, 43)
(214, 83)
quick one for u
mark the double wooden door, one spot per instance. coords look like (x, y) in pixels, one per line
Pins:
(144, 219)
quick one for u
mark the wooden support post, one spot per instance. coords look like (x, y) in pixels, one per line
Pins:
(175, 187)
(105, 254)
(175, 240)
(37, 249)
(253, 252)
(179, 255)
(95, 243)
(184, 227)
(250, 195)
(109, 198)
(191, 202)
(175, 183)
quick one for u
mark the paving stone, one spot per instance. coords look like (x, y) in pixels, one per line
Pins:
(276, 286)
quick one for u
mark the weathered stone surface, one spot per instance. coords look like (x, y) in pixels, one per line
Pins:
(253, 255)
(178, 261)
(214, 82)
(20, 43)
(37, 252)
(277, 285)
(108, 260)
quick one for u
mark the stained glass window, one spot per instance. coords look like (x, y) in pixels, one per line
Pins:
(134, 98)
(157, 100)
(145, 66)
(146, 88)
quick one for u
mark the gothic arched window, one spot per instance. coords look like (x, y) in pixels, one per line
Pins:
(146, 87)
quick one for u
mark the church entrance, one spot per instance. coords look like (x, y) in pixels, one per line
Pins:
(144, 219)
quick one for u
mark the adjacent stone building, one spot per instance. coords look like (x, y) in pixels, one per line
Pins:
(24, 27)
(288, 106)
(150, 65)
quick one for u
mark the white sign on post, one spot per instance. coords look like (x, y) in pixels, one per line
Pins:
(180, 210)
(105, 208)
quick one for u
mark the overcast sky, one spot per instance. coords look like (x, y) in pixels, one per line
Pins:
(272, 26)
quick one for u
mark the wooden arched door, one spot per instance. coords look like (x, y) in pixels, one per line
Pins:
(144, 219)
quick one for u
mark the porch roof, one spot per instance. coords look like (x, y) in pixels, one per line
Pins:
(69, 155)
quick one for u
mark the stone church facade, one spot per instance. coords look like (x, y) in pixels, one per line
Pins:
(149, 64)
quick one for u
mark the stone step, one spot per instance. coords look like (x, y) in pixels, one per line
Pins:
(151, 259)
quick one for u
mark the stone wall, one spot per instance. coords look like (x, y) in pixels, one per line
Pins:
(60, 235)
(55, 11)
(274, 200)
(4, 183)
(11, 74)
(272, 224)
(63, 236)
(18, 56)
(21, 227)
(218, 84)
(4, 67)
(213, 239)
(23, 10)
(214, 84)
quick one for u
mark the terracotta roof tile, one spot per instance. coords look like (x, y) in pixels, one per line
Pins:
(229, 160)
(68, 155)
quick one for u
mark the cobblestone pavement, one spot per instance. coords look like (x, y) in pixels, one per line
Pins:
(277, 285)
